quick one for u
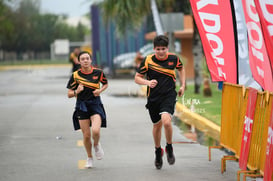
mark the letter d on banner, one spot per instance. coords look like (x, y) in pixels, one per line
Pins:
(248, 124)
(268, 169)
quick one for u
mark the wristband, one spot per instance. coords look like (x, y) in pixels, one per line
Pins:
(75, 94)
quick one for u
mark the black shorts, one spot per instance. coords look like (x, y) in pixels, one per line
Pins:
(91, 110)
(165, 104)
(86, 109)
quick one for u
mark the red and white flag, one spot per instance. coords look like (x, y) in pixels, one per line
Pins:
(244, 72)
(248, 124)
(265, 11)
(258, 57)
(214, 22)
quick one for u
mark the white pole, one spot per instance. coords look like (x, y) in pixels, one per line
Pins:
(157, 21)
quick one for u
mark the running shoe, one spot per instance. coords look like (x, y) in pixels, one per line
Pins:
(170, 155)
(99, 152)
(158, 158)
(89, 163)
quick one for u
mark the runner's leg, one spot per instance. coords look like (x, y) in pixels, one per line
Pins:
(85, 127)
(167, 122)
(96, 124)
(157, 133)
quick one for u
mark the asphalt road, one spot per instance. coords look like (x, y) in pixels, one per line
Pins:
(37, 140)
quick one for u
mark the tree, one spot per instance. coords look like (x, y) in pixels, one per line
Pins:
(198, 54)
(24, 29)
(23, 18)
(81, 31)
(129, 15)
(5, 21)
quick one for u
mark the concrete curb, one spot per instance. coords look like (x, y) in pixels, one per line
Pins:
(208, 127)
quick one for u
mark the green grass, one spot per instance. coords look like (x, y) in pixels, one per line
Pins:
(208, 107)
(33, 62)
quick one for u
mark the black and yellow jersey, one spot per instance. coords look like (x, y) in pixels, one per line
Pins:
(163, 71)
(90, 81)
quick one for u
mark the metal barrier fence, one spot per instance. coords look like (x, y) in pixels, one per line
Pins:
(234, 106)
(259, 132)
(234, 100)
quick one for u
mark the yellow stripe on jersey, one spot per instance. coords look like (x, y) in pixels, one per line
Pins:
(85, 82)
(152, 65)
(74, 85)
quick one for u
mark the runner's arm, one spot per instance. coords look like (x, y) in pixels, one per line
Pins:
(74, 93)
(139, 79)
(71, 93)
(182, 78)
(97, 92)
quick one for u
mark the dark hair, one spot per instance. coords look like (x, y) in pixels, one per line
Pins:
(161, 40)
(83, 52)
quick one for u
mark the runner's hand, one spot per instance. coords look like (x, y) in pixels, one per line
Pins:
(181, 91)
(96, 92)
(153, 83)
(80, 88)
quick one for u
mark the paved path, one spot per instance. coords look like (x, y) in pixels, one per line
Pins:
(35, 112)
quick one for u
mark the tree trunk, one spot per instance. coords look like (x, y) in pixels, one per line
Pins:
(197, 56)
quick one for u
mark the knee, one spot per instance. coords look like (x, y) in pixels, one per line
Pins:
(95, 132)
(87, 136)
(158, 126)
(167, 124)
(167, 120)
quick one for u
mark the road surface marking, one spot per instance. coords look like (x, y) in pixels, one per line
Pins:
(80, 143)
(81, 164)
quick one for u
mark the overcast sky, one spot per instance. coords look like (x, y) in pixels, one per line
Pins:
(73, 8)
